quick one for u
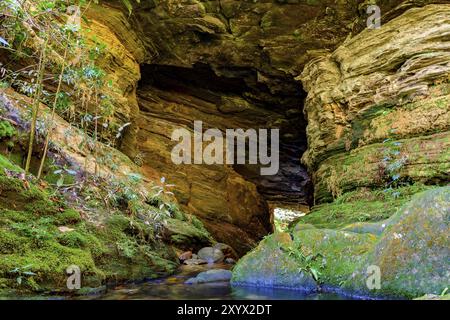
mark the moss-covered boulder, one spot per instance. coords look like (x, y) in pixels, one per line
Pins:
(413, 253)
(355, 210)
(187, 235)
(271, 265)
(375, 228)
(324, 256)
(333, 254)
(411, 248)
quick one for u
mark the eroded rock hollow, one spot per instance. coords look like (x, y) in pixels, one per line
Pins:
(231, 199)
(233, 64)
(229, 64)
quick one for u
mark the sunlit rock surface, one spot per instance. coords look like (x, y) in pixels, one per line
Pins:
(382, 87)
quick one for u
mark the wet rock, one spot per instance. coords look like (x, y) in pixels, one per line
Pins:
(185, 256)
(215, 275)
(230, 261)
(227, 251)
(211, 255)
(191, 262)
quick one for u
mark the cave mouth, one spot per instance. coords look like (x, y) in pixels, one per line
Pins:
(258, 100)
(171, 97)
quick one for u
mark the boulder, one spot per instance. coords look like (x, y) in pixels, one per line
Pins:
(413, 253)
(270, 265)
(227, 251)
(211, 255)
(191, 262)
(185, 235)
(185, 256)
(215, 275)
(230, 261)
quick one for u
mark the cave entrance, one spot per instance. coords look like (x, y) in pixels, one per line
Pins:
(230, 98)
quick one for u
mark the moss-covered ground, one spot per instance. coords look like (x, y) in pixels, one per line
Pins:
(42, 234)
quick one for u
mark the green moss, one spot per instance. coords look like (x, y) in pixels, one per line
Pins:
(8, 217)
(7, 164)
(119, 248)
(53, 178)
(426, 160)
(335, 254)
(73, 239)
(362, 205)
(6, 130)
(10, 242)
(68, 216)
(412, 252)
(186, 234)
(270, 265)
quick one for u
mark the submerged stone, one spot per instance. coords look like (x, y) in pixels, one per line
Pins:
(215, 275)
(192, 262)
(211, 255)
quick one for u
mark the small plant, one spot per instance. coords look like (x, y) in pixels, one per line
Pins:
(23, 275)
(392, 164)
(63, 172)
(306, 262)
(162, 197)
(128, 5)
(127, 248)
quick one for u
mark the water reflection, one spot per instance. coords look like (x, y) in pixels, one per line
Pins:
(174, 288)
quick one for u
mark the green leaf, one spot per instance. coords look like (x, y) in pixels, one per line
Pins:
(315, 274)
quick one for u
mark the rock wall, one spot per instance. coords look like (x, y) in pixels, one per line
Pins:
(236, 64)
(231, 64)
(378, 114)
(378, 107)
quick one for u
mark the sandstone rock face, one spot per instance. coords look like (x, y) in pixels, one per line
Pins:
(124, 52)
(234, 64)
(231, 64)
(377, 108)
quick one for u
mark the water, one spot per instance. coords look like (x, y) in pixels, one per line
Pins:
(173, 288)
